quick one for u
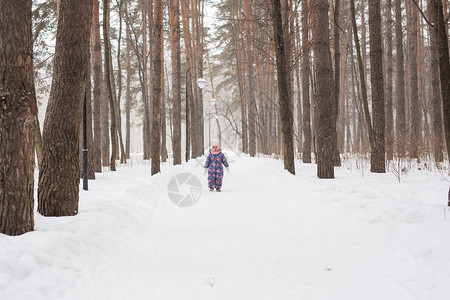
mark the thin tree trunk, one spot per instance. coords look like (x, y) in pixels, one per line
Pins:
(188, 50)
(18, 116)
(242, 94)
(251, 93)
(128, 94)
(337, 78)
(361, 71)
(146, 120)
(90, 138)
(163, 111)
(306, 157)
(389, 87)
(109, 92)
(174, 17)
(119, 96)
(59, 175)
(97, 62)
(400, 83)
(414, 98)
(156, 109)
(438, 144)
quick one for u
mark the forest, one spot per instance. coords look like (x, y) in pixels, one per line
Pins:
(331, 119)
(315, 81)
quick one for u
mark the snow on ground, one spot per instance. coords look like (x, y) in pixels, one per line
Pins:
(268, 235)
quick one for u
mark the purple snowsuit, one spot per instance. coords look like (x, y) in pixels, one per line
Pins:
(215, 170)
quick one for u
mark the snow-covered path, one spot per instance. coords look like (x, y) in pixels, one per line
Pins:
(267, 235)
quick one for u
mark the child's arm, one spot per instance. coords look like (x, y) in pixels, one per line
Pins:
(208, 161)
(224, 161)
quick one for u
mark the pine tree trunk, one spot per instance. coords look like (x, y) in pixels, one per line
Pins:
(188, 50)
(378, 152)
(324, 90)
(337, 78)
(157, 84)
(306, 157)
(389, 87)
(119, 96)
(97, 62)
(146, 96)
(365, 103)
(163, 150)
(90, 138)
(444, 65)
(400, 83)
(109, 91)
(59, 175)
(414, 99)
(174, 17)
(18, 114)
(128, 94)
(283, 89)
(242, 94)
(438, 145)
(251, 94)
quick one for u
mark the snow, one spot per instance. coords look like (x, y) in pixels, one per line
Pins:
(267, 235)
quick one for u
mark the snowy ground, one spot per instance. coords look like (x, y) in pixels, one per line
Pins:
(268, 235)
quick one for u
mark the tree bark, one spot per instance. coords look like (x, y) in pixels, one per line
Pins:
(174, 17)
(283, 90)
(251, 94)
(157, 83)
(361, 67)
(128, 94)
(324, 92)
(415, 117)
(444, 65)
(438, 144)
(378, 152)
(337, 78)
(109, 90)
(389, 87)
(18, 114)
(90, 138)
(59, 175)
(306, 157)
(97, 62)
(400, 83)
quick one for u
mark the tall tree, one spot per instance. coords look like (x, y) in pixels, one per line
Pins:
(59, 174)
(438, 144)
(377, 154)
(400, 82)
(324, 89)
(109, 91)
(250, 79)
(306, 157)
(128, 90)
(174, 19)
(283, 91)
(337, 77)
(97, 61)
(415, 117)
(444, 64)
(17, 118)
(156, 105)
(389, 87)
